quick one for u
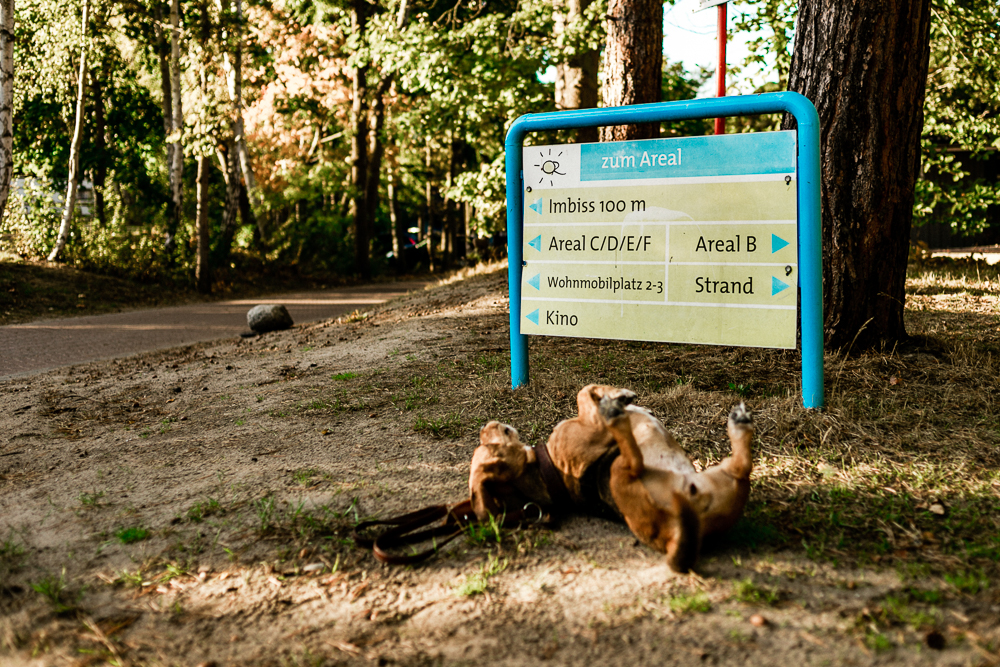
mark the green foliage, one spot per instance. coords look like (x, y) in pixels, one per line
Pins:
(961, 116)
(478, 583)
(131, 534)
(55, 590)
(747, 591)
(690, 603)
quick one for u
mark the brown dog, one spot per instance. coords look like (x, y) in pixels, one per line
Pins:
(616, 459)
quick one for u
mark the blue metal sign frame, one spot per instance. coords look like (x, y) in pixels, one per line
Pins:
(810, 240)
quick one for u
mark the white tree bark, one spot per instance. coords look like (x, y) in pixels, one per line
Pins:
(6, 100)
(177, 154)
(74, 148)
(234, 76)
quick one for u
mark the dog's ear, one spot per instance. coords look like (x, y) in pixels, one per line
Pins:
(587, 401)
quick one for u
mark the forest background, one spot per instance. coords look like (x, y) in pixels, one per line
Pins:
(213, 138)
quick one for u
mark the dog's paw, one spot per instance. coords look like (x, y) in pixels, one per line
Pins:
(740, 415)
(625, 396)
(613, 407)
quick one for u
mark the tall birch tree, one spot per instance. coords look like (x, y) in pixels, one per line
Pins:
(69, 205)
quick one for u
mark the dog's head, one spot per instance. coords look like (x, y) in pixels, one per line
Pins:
(504, 475)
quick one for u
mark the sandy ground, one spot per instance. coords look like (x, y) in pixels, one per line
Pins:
(246, 463)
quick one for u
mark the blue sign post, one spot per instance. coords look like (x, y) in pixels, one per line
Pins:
(808, 198)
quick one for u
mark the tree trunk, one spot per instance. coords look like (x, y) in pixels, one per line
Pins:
(203, 266)
(224, 244)
(576, 79)
(398, 230)
(74, 148)
(99, 174)
(863, 63)
(633, 63)
(429, 192)
(376, 150)
(176, 128)
(234, 73)
(203, 262)
(163, 56)
(359, 148)
(6, 100)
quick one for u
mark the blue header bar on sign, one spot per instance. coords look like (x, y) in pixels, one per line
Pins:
(724, 155)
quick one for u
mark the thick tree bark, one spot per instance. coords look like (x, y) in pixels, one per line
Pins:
(633, 63)
(6, 100)
(176, 128)
(74, 148)
(863, 63)
(576, 79)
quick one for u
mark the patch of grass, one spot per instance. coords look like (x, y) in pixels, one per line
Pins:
(449, 426)
(877, 642)
(346, 375)
(265, 509)
(690, 603)
(751, 593)
(90, 500)
(129, 579)
(898, 608)
(968, 581)
(11, 555)
(55, 590)
(490, 530)
(304, 476)
(202, 509)
(132, 534)
(478, 583)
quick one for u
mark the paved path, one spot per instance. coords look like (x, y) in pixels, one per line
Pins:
(46, 344)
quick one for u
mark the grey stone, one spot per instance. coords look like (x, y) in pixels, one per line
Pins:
(266, 318)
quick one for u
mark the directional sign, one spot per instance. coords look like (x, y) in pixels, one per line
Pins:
(681, 240)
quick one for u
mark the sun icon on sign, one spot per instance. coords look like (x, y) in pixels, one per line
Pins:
(549, 166)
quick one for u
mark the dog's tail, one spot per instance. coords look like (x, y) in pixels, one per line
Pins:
(685, 543)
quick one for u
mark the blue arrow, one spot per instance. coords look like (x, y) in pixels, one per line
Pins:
(533, 316)
(536, 243)
(777, 286)
(777, 243)
(537, 206)
(534, 282)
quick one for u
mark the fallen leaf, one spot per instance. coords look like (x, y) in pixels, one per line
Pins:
(937, 508)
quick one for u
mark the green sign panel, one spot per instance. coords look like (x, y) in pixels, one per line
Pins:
(676, 240)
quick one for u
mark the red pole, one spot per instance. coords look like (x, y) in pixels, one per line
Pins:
(720, 123)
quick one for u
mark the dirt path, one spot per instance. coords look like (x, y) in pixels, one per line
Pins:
(194, 506)
(47, 344)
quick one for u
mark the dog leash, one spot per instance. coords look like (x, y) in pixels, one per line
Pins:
(411, 528)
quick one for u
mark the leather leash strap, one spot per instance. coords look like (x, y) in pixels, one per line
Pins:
(403, 527)
(406, 528)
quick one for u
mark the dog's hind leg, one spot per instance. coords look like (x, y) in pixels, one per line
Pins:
(740, 430)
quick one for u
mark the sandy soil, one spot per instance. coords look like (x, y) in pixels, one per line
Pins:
(246, 462)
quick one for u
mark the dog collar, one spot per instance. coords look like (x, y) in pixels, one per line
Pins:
(552, 479)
